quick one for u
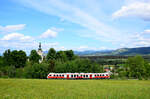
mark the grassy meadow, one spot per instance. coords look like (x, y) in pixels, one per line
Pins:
(73, 89)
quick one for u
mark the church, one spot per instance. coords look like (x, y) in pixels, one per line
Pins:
(40, 52)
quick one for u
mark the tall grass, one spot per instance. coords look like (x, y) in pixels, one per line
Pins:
(74, 89)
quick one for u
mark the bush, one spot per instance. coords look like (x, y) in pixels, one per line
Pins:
(19, 73)
(78, 65)
(8, 71)
(36, 71)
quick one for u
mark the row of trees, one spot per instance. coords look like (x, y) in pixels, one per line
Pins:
(135, 67)
(14, 58)
(18, 64)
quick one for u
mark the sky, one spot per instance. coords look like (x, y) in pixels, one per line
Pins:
(74, 24)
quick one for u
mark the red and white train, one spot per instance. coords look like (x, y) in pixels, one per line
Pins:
(78, 76)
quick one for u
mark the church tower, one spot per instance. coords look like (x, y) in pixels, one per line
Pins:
(40, 52)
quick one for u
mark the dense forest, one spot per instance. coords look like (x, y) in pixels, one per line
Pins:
(16, 64)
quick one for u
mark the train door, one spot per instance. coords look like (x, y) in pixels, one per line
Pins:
(90, 76)
(67, 76)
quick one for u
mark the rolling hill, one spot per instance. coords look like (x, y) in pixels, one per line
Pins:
(122, 51)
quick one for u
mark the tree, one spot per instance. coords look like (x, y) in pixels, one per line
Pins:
(137, 67)
(34, 57)
(36, 71)
(18, 58)
(78, 65)
(70, 54)
(7, 58)
(51, 54)
(1, 61)
(61, 56)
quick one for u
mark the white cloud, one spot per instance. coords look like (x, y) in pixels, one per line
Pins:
(11, 28)
(49, 34)
(86, 48)
(147, 31)
(17, 41)
(16, 37)
(74, 13)
(137, 40)
(134, 9)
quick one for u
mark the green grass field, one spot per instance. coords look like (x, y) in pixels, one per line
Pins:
(74, 89)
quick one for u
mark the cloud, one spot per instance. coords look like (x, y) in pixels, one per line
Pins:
(134, 9)
(86, 48)
(11, 28)
(75, 13)
(147, 31)
(18, 41)
(16, 37)
(49, 34)
(140, 39)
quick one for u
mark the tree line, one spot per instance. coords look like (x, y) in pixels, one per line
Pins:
(18, 65)
(135, 67)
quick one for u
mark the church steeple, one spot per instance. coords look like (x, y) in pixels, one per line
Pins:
(40, 52)
(40, 47)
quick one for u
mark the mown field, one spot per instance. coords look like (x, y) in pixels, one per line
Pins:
(74, 89)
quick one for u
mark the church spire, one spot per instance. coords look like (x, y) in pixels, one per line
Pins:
(40, 46)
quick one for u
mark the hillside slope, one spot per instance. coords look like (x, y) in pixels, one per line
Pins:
(122, 51)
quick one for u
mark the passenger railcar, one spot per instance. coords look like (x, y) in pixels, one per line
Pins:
(78, 76)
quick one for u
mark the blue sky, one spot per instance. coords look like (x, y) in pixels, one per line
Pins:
(74, 24)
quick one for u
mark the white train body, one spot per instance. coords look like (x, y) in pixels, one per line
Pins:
(78, 76)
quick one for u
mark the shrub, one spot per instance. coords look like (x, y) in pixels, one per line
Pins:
(36, 71)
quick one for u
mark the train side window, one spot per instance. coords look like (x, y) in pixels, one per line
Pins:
(106, 74)
(83, 75)
(100, 75)
(57, 75)
(86, 75)
(71, 75)
(95, 75)
(74, 75)
(77, 75)
(54, 75)
(49, 75)
(63, 75)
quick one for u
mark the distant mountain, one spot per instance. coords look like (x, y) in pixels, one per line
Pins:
(92, 52)
(133, 51)
(122, 51)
